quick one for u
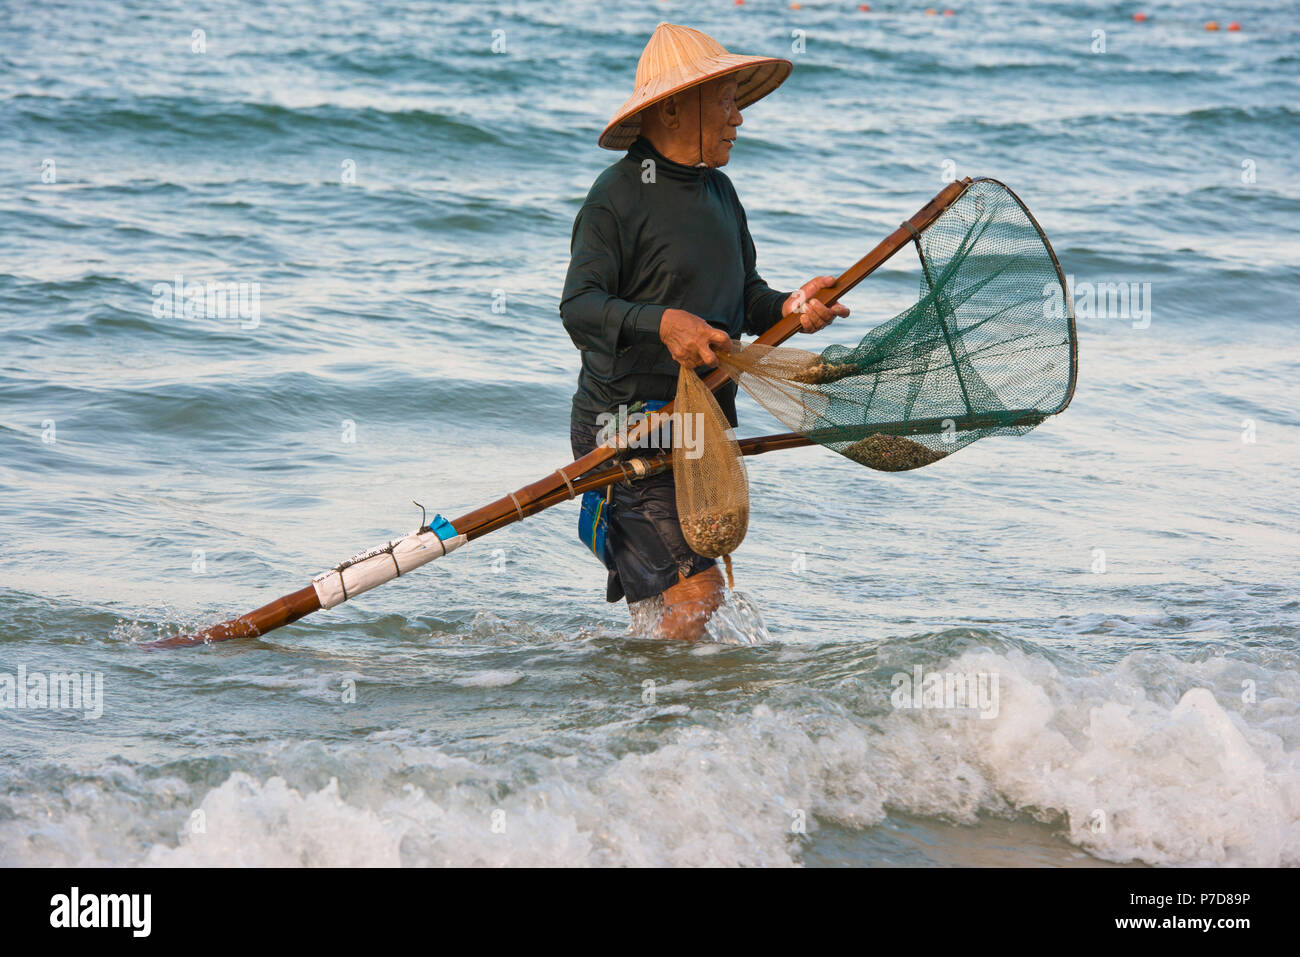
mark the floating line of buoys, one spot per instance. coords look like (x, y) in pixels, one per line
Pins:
(1211, 25)
(862, 8)
(866, 8)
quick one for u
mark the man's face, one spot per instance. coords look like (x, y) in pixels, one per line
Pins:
(719, 119)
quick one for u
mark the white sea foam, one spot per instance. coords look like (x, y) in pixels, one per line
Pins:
(322, 686)
(1157, 760)
(1128, 774)
(489, 679)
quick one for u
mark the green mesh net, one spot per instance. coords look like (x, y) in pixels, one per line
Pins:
(988, 349)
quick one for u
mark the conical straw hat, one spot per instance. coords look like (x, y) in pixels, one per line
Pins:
(678, 58)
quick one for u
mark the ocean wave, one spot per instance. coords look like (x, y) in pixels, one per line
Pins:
(201, 120)
(1157, 761)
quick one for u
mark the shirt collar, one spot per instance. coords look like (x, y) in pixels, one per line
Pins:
(641, 150)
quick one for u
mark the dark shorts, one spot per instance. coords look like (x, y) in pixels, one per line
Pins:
(644, 538)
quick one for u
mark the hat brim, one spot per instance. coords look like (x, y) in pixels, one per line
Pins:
(758, 77)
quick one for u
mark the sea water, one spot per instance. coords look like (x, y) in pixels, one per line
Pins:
(1076, 647)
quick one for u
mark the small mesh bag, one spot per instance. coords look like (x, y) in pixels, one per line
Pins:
(988, 349)
(709, 471)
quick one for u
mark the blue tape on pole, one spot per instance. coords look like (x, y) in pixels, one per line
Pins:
(442, 528)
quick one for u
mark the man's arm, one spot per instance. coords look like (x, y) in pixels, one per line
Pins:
(595, 318)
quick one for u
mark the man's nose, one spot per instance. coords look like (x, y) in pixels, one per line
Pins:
(736, 118)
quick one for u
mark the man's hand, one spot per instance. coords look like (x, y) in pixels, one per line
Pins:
(814, 314)
(691, 340)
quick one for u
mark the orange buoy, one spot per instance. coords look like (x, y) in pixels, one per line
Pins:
(932, 12)
(1234, 26)
(1212, 26)
(1140, 17)
(796, 6)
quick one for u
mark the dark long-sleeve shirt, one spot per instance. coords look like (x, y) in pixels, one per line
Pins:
(639, 247)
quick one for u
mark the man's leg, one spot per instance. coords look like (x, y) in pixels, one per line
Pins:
(654, 568)
(689, 603)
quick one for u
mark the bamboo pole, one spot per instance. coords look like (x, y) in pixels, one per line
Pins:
(304, 602)
(554, 487)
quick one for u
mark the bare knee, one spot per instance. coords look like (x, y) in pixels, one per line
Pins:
(688, 605)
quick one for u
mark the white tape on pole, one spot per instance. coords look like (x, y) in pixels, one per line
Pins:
(380, 564)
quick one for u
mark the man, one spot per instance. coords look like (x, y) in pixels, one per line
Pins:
(662, 273)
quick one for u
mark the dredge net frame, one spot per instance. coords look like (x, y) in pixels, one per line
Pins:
(989, 348)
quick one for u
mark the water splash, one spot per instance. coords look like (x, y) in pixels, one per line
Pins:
(645, 616)
(737, 620)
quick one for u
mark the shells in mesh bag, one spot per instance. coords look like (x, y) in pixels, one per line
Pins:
(716, 534)
(891, 453)
(820, 373)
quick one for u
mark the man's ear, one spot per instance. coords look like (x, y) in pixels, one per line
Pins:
(670, 117)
